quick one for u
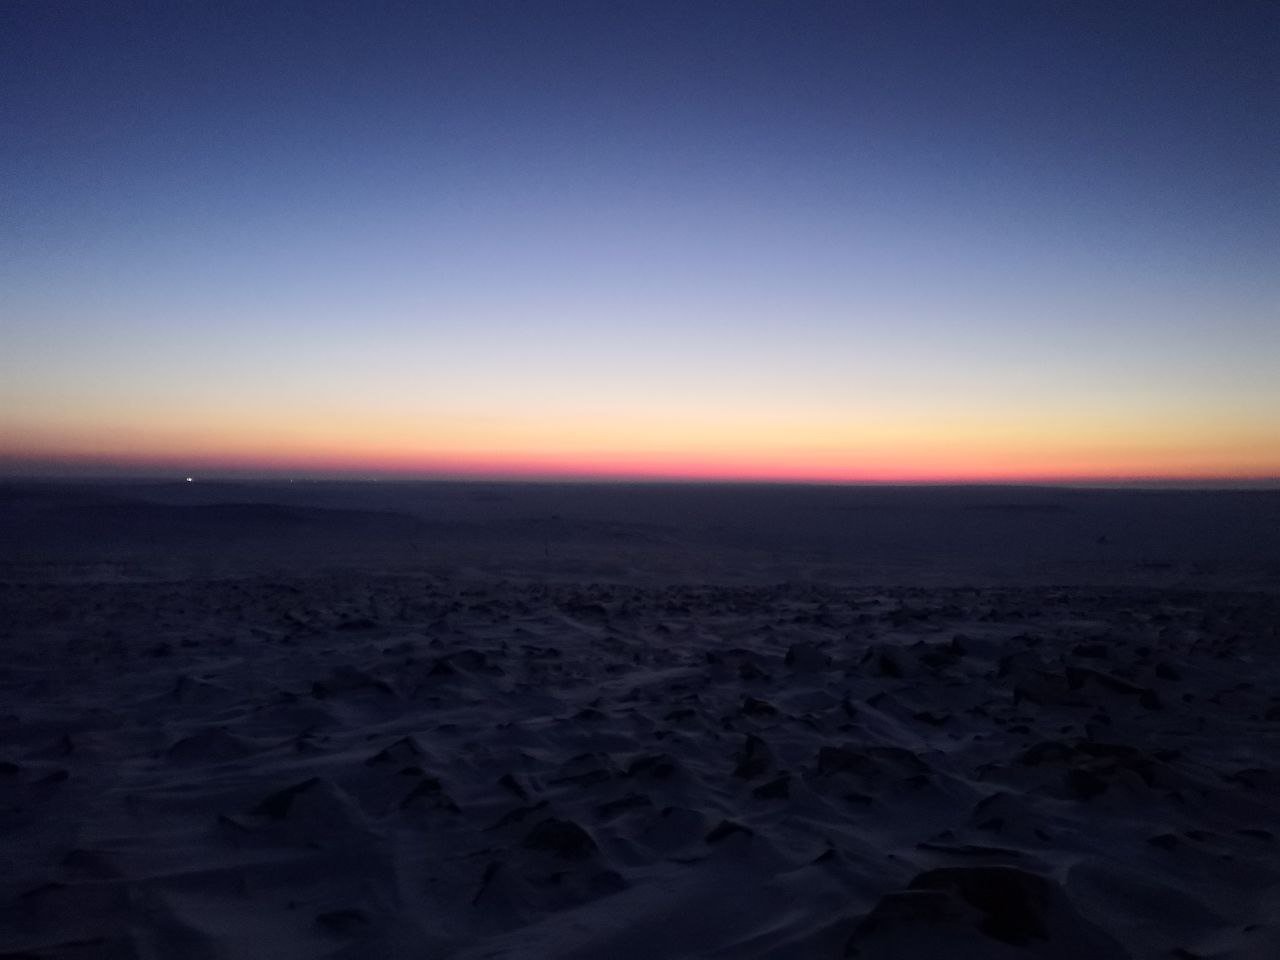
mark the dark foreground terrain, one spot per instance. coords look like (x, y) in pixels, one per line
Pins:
(501, 721)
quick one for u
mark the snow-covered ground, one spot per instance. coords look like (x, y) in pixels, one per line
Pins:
(517, 721)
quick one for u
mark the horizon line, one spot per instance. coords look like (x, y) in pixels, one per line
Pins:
(233, 477)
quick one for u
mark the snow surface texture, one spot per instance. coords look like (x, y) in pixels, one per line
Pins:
(328, 759)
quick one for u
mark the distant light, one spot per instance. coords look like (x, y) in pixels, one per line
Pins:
(190, 479)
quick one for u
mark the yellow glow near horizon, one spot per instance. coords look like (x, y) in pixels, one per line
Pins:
(963, 446)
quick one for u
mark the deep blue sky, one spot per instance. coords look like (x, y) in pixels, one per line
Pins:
(819, 237)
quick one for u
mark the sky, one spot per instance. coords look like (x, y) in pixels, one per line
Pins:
(864, 241)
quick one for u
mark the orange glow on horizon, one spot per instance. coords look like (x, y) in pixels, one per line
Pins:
(1010, 447)
(654, 468)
